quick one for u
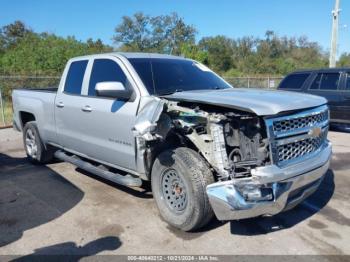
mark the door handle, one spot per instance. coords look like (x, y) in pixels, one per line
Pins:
(86, 109)
(60, 104)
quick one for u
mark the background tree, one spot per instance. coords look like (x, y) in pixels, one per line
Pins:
(11, 34)
(133, 33)
(192, 51)
(170, 33)
(344, 60)
(220, 50)
(27, 52)
(162, 34)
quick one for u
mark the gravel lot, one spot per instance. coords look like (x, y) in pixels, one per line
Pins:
(57, 209)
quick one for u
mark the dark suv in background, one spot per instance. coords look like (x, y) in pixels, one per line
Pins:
(332, 83)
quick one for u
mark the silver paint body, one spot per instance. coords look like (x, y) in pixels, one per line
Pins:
(103, 129)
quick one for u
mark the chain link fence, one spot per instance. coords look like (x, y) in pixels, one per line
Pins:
(8, 83)
(254, 82)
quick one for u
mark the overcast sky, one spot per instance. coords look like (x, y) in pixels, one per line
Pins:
(233, 18)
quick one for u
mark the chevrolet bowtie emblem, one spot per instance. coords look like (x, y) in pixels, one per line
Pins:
(315, 132)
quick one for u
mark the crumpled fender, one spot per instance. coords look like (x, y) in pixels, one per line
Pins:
(146, 120)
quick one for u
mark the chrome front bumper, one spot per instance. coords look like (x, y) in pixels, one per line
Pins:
(288, 186)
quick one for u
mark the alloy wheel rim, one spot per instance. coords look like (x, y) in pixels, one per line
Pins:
(31, 146)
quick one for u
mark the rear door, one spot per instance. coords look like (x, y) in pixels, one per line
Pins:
(294, 82)
(68, 106)
(345, 107)
(327, 85)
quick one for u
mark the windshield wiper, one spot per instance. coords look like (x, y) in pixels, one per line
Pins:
(217, 88)
(170, 92)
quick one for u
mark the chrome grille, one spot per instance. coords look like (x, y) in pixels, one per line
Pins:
(300, 148)
(301, 122)
(296, 136)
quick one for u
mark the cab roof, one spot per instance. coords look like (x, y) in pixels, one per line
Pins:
(322, 70)
(147, 55)
(129, 55)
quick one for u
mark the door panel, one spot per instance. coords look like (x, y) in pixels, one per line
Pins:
(107, 129)
(345, 103)
(327, 85)
(68, 122)
(106, 122)
(68, 106)
(345, 108)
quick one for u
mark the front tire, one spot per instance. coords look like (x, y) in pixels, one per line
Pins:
(179, 180)
(36, 151)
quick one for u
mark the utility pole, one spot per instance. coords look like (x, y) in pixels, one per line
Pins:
(334, 40)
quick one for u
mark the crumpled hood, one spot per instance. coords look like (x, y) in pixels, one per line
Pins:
(258, 101)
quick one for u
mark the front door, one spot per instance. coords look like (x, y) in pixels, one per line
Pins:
(107, 122)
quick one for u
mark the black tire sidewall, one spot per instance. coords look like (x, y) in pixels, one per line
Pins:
(190, 217)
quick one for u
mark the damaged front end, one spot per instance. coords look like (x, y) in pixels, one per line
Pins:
(239, 149)
(232, 142)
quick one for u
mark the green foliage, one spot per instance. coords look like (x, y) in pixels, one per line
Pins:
(344, 60)
(220, 50)
(23, 51)
(27, 52)
(192, 51)
(272, 55)
(12, 33)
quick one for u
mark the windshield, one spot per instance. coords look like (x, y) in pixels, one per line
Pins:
(163, 76)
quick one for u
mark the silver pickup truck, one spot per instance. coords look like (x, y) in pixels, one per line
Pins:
(206, 147)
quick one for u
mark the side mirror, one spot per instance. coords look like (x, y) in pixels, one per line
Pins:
(113, 89)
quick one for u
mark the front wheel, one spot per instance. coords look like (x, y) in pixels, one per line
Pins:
(179, 180)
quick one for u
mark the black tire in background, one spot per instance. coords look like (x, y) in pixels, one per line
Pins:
(36, 151)
(182, 173)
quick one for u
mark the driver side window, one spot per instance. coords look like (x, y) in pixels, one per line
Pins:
(105, 70)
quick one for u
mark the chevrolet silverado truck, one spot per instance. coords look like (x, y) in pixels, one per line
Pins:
(206, 147)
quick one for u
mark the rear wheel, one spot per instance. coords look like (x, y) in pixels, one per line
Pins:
(35, 149)
(179, 180)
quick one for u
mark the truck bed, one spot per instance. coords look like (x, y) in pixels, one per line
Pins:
(38, 102)
(46, 89)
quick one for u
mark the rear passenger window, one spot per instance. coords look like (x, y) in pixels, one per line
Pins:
(330, 81)
(316, 83)
(347, 86)
(105, 70)
(326, 81)
(75, 76)
(295, 81)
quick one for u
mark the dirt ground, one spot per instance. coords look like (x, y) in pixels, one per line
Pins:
(57, 209)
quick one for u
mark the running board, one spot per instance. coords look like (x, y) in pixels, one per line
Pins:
(115, 177)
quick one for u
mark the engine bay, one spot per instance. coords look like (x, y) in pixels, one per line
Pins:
(233, 142)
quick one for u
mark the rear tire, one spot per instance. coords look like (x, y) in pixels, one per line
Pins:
(179, 180)
(36, 151)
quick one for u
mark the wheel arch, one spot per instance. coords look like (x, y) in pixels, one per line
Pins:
(26, 117)
(172, 140)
